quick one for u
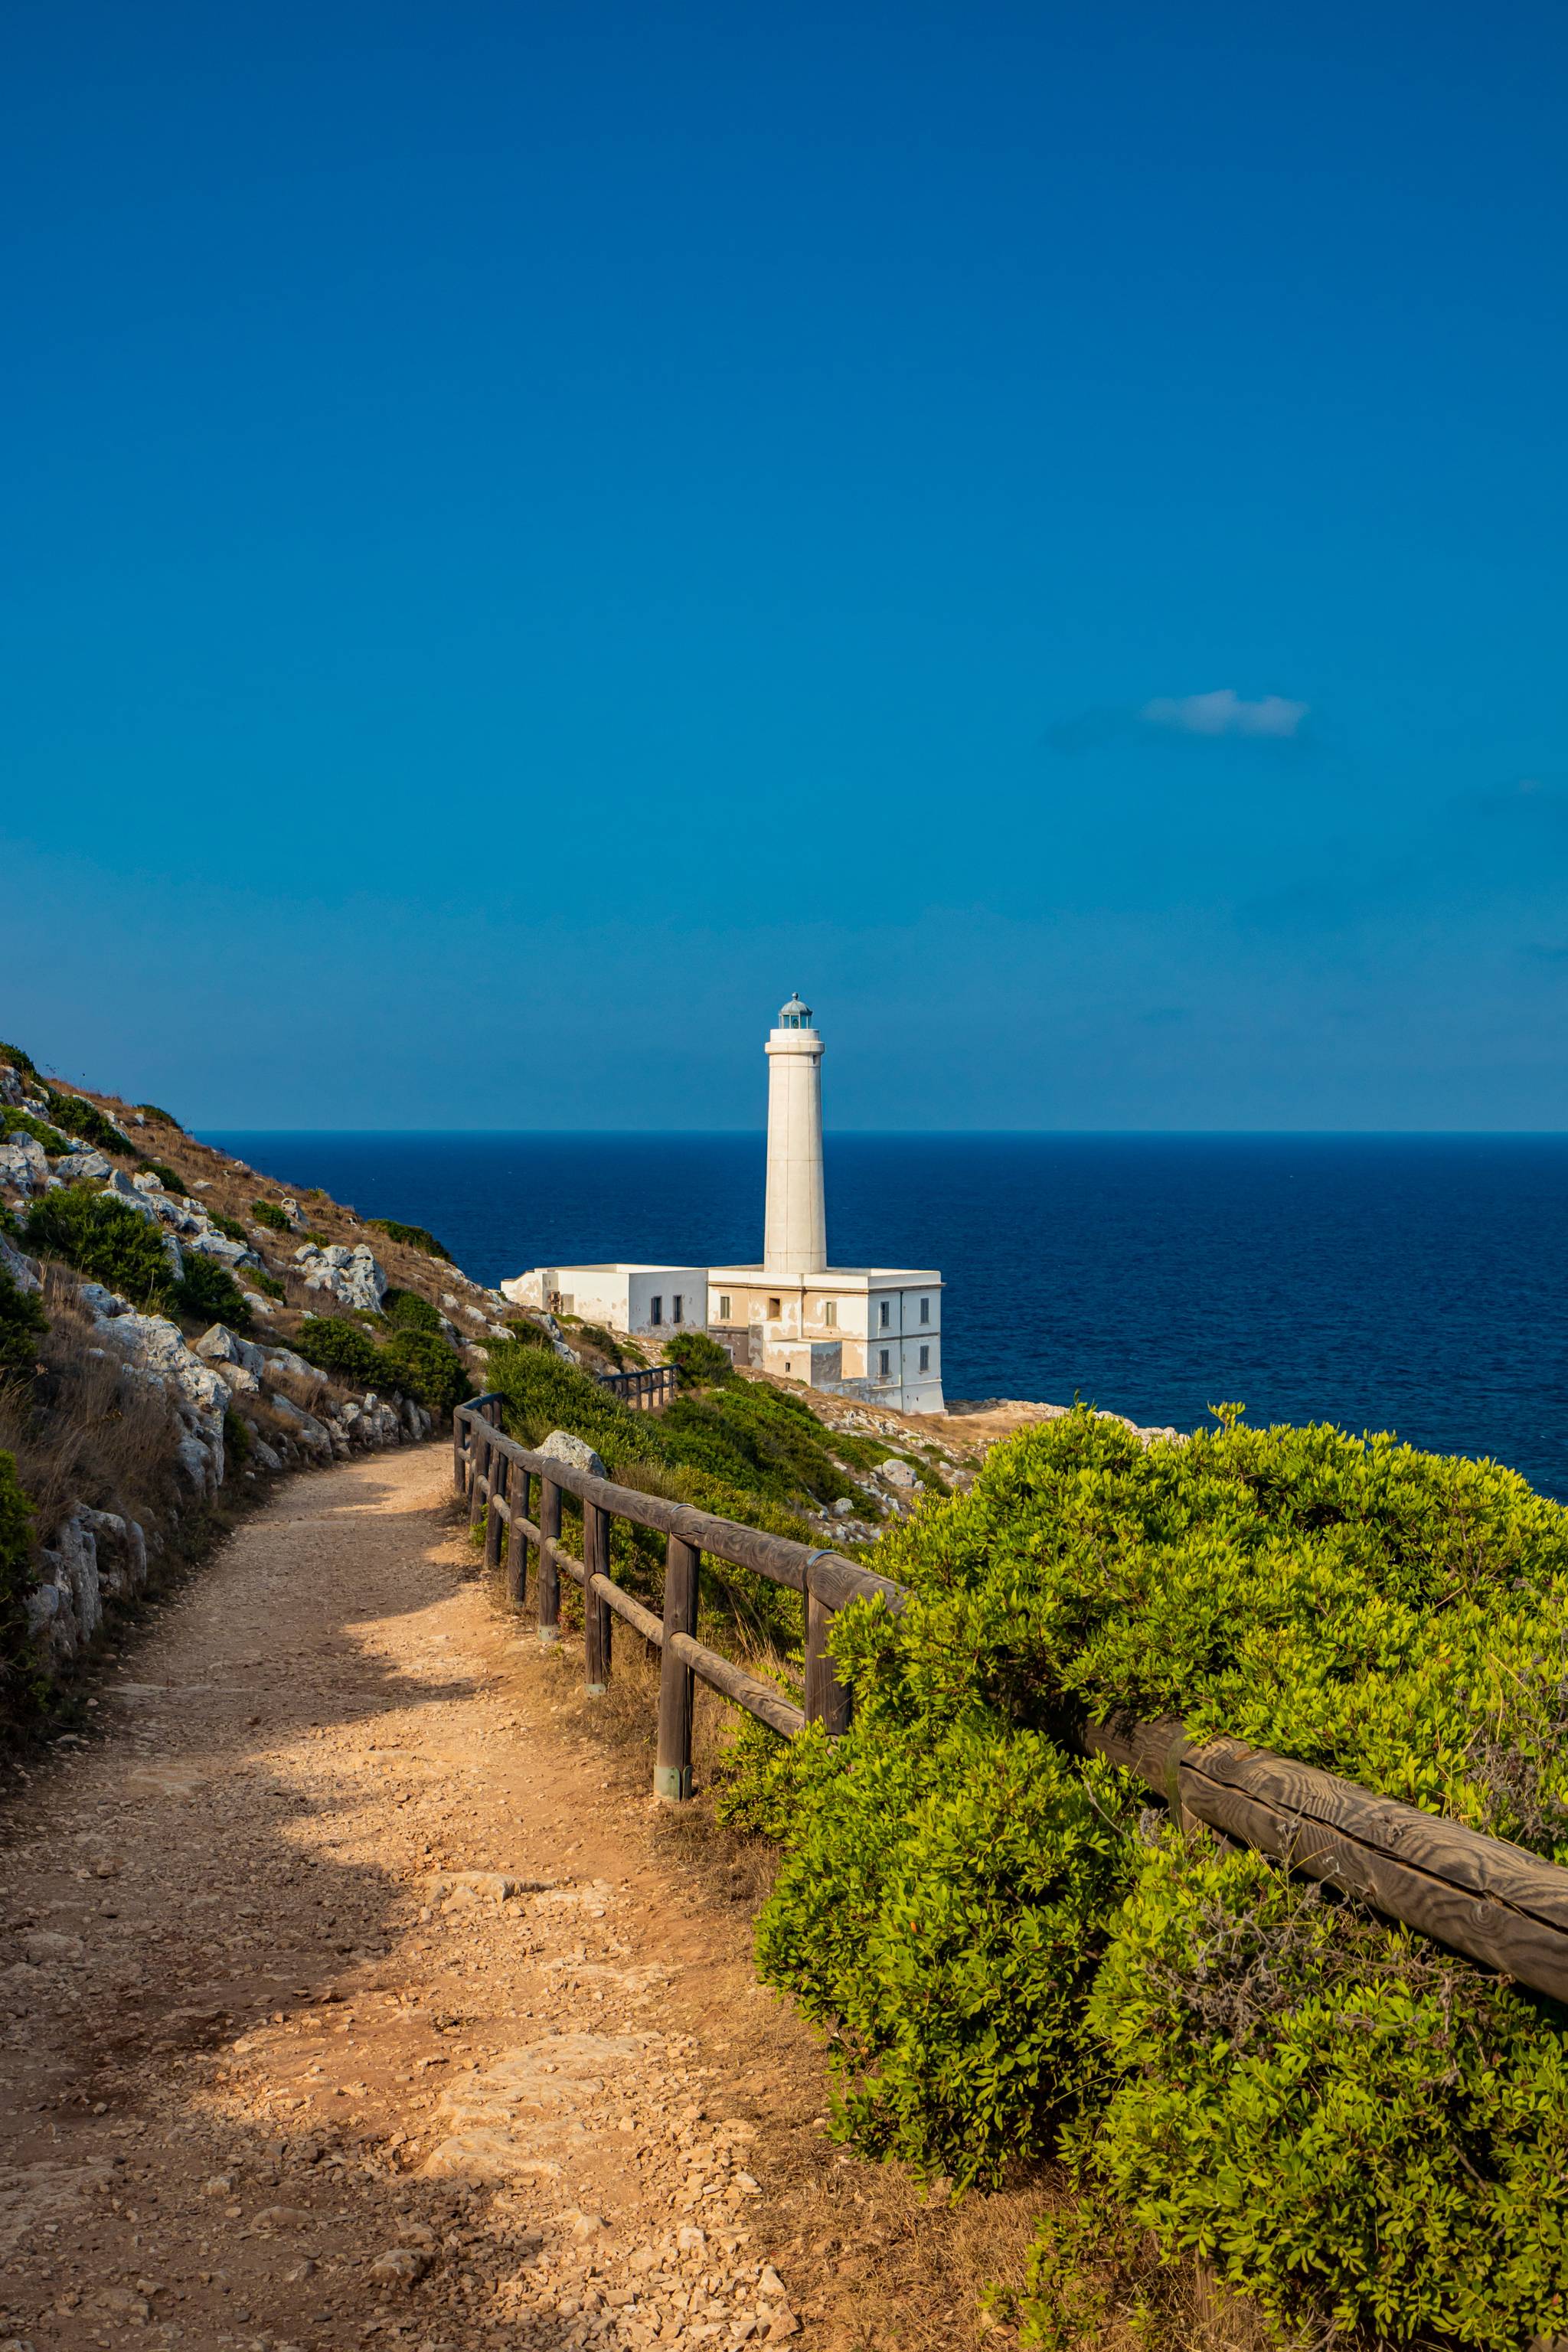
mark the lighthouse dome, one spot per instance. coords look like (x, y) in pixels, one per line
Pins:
(794, 1014)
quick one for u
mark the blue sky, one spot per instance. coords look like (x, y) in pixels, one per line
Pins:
(534, 530)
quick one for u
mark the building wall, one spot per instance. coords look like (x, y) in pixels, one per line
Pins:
(666, 1283)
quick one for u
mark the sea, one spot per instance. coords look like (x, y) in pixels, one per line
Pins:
(1410, 1282)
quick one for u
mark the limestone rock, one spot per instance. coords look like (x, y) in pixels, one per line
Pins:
(352, 1277)
(562, 1447)
(24, 1272)
(24, 1163)
(896, 1473)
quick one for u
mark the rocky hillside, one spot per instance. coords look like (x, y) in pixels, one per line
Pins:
(175, 1330)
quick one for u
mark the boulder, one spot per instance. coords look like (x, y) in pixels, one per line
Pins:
(221, 1345)
(562, 1447)
(24, 1272)
(24, 1163)
(121, 1551)
(352, 1277)
(896, 1473)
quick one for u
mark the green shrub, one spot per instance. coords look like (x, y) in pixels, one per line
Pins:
(170, 1178)
(700, 1361)
(159, 1118)
(229, 1227)
(22, 1122)
(235, 1440)
(258, 1278)
(1363, 2134)
(411, 1236)
(597, 1336)
(23, 1324)
(21, 1063)
(426, 1368)
(105, 1239)
(409, 1312)
(15, 1566)
(207, 1293)
(80, 1117)
(268, 1212)
(341, 1348)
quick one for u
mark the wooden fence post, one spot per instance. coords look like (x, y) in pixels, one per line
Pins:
(596, 1610)
(672, 1770)
(495, 1525)
(549, 1574)
(479, 1454)
(459, 1454)
(827, 1700)
(517, 1544)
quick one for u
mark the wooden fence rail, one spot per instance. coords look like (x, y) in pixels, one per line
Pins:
(643, 1391)
(1480, 1895)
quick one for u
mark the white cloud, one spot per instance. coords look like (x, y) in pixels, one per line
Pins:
(1225, 713)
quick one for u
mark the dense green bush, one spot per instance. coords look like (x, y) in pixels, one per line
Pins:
(21, 1063)
(426, 1368)
(410, 1312)
(340, 1347)
(412, 1236)
(23, 1324)
(16, 1569)
(170, 1178)
(1356, 2129)
(159, 1118)
(105, 1239)
(22, 1122)
(258, 1278)
(268, 1214)
(700, 1361)
(80, 1117)
(229, 1227)
(207, 1293)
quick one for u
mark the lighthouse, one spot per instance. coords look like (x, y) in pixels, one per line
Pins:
(794, 1230)
(869, 1331)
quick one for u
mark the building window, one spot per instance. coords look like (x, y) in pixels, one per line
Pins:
(830, 1313)
(884, 1312)
(925, 1359)
(775, 1310)
(925, 1310)
(883, 1363)
(723, 1306)
(656, 1310)
(678, 1309)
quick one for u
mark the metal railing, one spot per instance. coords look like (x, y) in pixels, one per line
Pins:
(498, 1474)
(1496, 1902)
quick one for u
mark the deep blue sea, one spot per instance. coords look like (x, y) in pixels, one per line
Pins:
(1415, 1282)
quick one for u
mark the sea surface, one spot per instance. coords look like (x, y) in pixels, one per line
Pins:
(1413, 1283)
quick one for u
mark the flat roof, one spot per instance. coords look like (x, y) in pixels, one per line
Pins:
(900, 1278)
(620, 1265)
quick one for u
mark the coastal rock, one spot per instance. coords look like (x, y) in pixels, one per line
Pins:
(24, 1164)
(562, 1447)
(352, 1277)
(221, 1345)
(24, 1272)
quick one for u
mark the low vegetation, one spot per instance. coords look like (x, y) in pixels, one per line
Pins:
(411, 1236)
(79, 1117)
(22, 1325)
(268, 1214)
(1012, 1955)
(105, 1239)
(417, 1362)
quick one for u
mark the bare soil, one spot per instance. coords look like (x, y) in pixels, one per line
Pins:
(354, 1989)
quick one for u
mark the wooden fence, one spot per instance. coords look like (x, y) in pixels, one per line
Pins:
(643, 1391)
(1492, 1901)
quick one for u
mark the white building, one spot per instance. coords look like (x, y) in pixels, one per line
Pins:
(649, 1300)
(868, 1331)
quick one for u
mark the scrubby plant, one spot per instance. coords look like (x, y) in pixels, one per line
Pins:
(80, 1117)
(20, 1062)
(207, 1293)
(340, 1347)
(258, 1278)
(23, 1122)
(411, 1236)
(425, 1367)
(700, 1361)
(229, 1227)
(268, 1214)
(105, 1239)
(410, 1312)
(597, 1336)
(15, 1564)
(159, 1118)
(23, 1324)
(1363, 2133)
(235, 1440)
(170, 1178)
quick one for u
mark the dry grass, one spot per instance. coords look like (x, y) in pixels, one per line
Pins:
(80, 1433)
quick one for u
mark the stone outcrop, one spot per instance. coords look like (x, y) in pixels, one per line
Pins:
(562, 1447)
(24, 1272)
(351, 1276)
(24, 1163)
(95, 1556)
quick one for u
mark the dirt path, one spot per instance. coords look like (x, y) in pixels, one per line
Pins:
(354, 1989)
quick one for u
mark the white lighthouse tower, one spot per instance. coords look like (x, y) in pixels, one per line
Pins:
(869, 1331)
(794, 1233)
